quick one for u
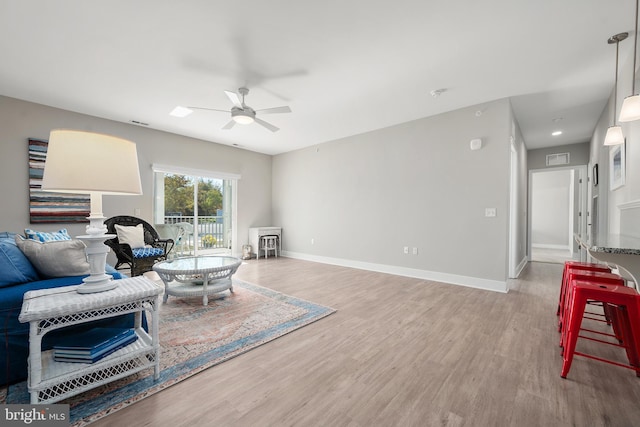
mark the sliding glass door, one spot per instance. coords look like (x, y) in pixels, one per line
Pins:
(198, 209)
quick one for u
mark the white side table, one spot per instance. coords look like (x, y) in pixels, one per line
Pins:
(50, 309)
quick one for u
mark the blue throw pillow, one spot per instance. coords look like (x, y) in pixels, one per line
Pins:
(146, 252)
(43, 236)
(15, 268)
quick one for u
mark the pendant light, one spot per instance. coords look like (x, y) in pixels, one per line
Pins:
(614, 134)
(630, 110)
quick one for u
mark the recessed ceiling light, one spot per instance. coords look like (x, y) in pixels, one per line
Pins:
(180, 112)
(556, 133)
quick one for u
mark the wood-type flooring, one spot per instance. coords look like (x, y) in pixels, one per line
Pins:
(402, 352)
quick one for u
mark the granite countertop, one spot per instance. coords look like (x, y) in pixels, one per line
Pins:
(613, 244)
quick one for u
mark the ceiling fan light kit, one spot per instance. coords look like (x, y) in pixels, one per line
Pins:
(630, 110)
(614, 134)
(242, 114)
(243, 117)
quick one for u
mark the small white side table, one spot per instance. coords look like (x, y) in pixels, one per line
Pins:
(50, 309)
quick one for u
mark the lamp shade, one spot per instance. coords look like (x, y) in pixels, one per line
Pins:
(630, 110)
(85, 162)
(614, 136)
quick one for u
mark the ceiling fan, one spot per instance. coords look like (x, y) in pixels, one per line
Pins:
(243, 114)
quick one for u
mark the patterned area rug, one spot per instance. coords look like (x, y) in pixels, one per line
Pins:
(193, 338)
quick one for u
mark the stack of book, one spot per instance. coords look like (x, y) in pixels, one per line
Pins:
(92, 345)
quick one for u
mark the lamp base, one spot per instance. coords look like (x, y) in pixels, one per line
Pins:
(90, 288)
(98, 280)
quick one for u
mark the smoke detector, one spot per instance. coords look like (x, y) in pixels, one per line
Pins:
(437, 92)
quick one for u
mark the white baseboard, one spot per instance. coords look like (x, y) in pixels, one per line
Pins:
(520, 267)
(454, 279)
(546, 246)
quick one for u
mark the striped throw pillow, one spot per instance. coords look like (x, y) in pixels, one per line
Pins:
(43, 236)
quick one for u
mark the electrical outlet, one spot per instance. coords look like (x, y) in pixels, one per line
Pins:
(415, 251)
(313, 241)
(136, 212)
(490, 212)
(406, 249)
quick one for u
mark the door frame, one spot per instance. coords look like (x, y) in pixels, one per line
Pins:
(581, 171)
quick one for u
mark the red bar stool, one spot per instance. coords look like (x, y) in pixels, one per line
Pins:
(626, 317)
(577, 265)
(589, 275)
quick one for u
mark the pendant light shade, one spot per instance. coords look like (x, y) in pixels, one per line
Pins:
(614, 134)
(630, 110)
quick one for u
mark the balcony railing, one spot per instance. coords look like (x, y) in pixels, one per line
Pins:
(210, 233)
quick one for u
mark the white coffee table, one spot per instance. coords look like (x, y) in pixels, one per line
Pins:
(197, 276)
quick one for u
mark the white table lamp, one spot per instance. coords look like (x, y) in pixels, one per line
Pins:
(94, 164)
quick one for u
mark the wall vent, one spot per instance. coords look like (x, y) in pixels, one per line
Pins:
(557, 159)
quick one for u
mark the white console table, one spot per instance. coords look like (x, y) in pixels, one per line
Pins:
(50, 309)
(255, 233)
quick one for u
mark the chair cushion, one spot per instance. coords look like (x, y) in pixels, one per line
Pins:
(43, 236)
(56, 258)
(146, 252)
(14, 265)
(132, 236)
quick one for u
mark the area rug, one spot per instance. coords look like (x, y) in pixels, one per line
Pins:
(194, 337)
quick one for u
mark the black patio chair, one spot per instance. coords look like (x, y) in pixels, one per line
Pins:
(142, 259)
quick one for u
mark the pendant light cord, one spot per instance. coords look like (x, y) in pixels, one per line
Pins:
(635, 50)
(615, 88)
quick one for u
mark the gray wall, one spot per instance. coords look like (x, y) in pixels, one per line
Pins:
(618, 210)
(359, 200)
(20, 120)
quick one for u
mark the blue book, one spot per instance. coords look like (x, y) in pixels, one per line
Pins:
(61, 357)
(93, 341)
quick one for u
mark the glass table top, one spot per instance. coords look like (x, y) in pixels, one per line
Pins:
(196, 264)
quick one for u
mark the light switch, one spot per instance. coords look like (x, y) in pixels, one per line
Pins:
(490, 212)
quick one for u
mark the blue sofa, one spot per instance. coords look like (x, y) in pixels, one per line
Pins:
(17, 276)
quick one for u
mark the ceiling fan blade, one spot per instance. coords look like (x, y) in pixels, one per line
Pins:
(269, 126)
(233, 97)
(274, 110)
(209, 109)
(229, 125)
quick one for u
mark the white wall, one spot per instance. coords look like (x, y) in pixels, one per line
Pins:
(361, 199)
(550, 208)
(20, 120)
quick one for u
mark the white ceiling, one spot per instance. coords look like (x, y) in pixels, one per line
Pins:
(343, 66)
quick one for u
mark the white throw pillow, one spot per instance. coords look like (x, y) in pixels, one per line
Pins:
(132, 236)
(57, 258)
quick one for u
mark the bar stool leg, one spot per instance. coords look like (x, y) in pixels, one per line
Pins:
(573, 330)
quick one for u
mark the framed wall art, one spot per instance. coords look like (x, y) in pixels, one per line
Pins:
(49, 207)
(617, 166)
